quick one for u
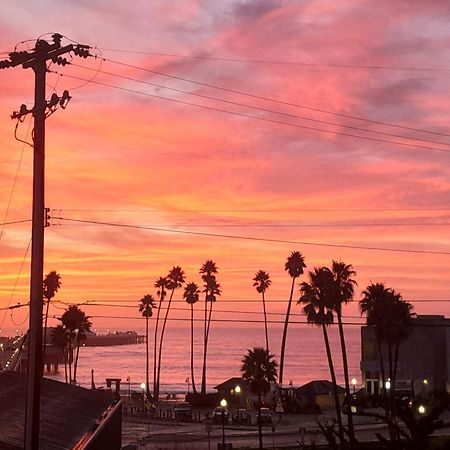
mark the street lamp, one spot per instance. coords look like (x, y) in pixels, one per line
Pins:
(354, 381)
(223, 404)
(387, 385)
(143, 395)
(421, 409)
(237, 391)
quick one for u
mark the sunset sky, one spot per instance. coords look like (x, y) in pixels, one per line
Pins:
(227, 131)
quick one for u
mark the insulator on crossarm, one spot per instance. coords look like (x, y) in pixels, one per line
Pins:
(81, 50)
(4, 64)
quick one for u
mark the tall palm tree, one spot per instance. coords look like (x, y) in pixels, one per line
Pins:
(191, 295)
(51, 284)
(60, 339)
(161, 284)
(262, 282)
(146, 305)
(259, 370)
(316, 296)
(294, 265)
(176, 279)
(343, 293)
(77, 323)
(211, 290)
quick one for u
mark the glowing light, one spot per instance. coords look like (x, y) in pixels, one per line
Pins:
(237, 389)
(387, 384)
(223, 403)
(143, 385)
(425, 381)
(421, 409)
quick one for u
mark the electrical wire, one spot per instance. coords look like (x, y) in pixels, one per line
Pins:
(13, 222)
(252, 238)
(229, 102)
(288, 63)
(269, 99)
(264, 119)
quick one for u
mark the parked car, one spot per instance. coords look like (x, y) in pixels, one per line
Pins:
(220, 414)
(183, 412)
(241, 415)
(266, 416)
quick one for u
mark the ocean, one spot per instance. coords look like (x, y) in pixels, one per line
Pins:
(305, 357)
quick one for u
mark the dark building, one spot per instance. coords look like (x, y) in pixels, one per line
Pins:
(424, 357)
(71, 417)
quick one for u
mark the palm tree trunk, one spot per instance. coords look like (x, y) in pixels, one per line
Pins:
(161, 340)
(265, 321)
(283, 340)
(65, 364)
(351, 428)
(70, 359)
(147, 376)
(259, 423)
(205, 345)
(155, 343)
(44, 346)
(335, 391)
(75, 366)
(194, 389)
(383, 374)
(205, 350)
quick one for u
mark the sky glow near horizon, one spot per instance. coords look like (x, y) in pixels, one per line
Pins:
(126, 158)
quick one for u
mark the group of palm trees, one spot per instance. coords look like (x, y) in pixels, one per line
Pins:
(192, 292)
(69, 335)
(322, 297)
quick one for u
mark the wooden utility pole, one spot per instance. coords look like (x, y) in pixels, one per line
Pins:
(36, 59)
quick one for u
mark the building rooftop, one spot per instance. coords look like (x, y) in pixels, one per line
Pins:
(67, 412)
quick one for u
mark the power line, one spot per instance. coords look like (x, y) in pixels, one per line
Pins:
(15, 222)
(259, 97)
(251, 238)
(289, 63)
(276, 210)
(264, 119)
(196, 94)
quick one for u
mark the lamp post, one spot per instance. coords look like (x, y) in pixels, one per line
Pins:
(129, 387)
(354, 381)
(237, 391)
(223, 404)
(143, 395)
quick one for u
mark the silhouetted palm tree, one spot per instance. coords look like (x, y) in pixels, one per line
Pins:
(259, 370)
(391, 318)
(78, 325)
(211, 290)
(262, 282)
(317, 296)
(161, 284)
(294, 266)
(176, 279)
(146, 305)
(344, 292)
(52, 282)
(60, 339)
(191, 295)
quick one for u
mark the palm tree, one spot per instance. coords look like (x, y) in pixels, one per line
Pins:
(317, 296)
(146, 305)
(175, 280)
(51, 284)
(391, 318)
(60, 339)
(259, 370)
(161, 284)
(262, 282)
(343, 293)
(211, 290)
(191, 295)
(78, 325)
(294, 265)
